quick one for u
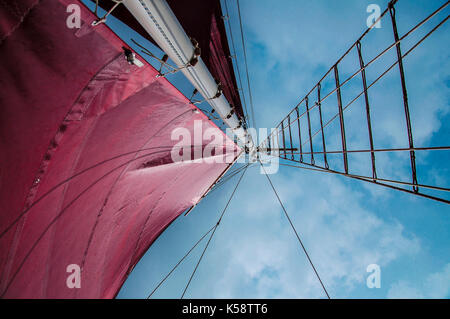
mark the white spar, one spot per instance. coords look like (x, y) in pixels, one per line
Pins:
(159, 21)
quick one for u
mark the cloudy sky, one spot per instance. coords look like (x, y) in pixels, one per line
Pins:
(345, 225)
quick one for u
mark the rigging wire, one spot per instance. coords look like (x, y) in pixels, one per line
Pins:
(237, 64)
(376, 182)
(246, 66)
(180, 261)
(199, 241)
(212, 234)
(369, 63)
(230, 176)
(375, 81)
(295, 231)
(371, 178)
(236, 169)
(363, 66)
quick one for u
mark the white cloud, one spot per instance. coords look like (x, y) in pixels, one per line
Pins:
(288, 57)
(404, 290)
(436, 285)
(289, 49)
(254, 253)
(264, 259)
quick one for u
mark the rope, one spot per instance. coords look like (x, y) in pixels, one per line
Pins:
(230, 176)
(237, 64)
(375, 81)
(246, 65)
(103, 19)
(149, 53)
(376, 182)
(443, 189)
(296, 233)
(212, 234)
(180, 261)
(236, 171)
(368, 64)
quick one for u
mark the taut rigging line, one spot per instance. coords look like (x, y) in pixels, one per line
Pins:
(295, 231)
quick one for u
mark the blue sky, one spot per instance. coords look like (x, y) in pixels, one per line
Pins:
(345, 224)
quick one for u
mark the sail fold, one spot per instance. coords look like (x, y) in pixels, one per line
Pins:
(86, 176)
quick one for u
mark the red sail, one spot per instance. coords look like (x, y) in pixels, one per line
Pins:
(86, 175)
(202, 20)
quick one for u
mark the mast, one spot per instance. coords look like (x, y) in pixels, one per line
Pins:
(157, 18)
